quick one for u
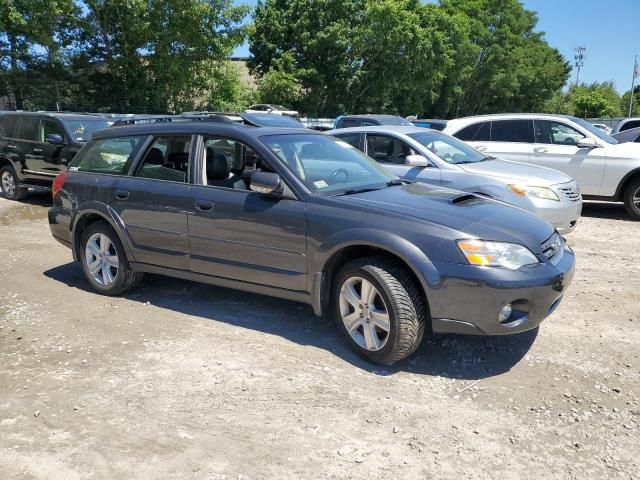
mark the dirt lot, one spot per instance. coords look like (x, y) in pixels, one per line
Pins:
(186, 381)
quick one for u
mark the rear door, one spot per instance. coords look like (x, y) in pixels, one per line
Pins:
(238, 234)
(8, 128)
(26, 147)
(556, 147)
(510, 140)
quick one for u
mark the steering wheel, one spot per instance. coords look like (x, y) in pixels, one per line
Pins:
(334, 176)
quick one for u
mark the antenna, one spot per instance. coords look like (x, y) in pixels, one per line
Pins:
(580, 55)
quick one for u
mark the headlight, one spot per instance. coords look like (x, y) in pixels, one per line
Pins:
(496, 254)
(534, 192)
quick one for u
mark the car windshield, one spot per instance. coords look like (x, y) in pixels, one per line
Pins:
(601, 134)
(328, 166)
(81, 130)
(448, 148)
(271, 120)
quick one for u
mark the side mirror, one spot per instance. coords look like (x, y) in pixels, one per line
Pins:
(416, 161)
(587, 143)
(266, 183)
(55, 139)
(269, 110)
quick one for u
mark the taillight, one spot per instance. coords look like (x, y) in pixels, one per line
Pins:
(58, 183)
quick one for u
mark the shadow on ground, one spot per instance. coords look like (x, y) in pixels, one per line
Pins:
(459, 357)
(608, 210)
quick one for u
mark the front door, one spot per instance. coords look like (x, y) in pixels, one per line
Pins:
(53, 157)
(239, 234)
(557, 147)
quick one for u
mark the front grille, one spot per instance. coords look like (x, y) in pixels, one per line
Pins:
(569, 191)
(553, 247)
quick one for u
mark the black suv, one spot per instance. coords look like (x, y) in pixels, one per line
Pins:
(301, 215)
(35, 147)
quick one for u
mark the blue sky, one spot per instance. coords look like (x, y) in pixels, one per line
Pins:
(610, 30)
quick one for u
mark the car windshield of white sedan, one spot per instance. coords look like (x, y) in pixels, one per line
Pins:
(448, 148)
(328, 166)
(601, 134)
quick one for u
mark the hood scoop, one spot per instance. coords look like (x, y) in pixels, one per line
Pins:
(464, 198)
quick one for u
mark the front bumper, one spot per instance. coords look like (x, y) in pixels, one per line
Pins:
(563, 216)
(467, 299)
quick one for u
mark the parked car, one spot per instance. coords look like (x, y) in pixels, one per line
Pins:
(605, 128)
(35, 147)
(346, 121)
(252, 119)
(271, 108)
(301, 215)
(432, 123)
(604, 168)
(626, 124)
(434, 157)
(631, 135)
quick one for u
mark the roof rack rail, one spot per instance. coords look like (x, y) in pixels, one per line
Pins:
(191, 117)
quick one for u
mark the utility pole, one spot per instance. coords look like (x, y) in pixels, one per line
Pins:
(636, 72)
(580, 55)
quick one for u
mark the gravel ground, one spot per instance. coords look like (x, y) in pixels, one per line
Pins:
(187, 381)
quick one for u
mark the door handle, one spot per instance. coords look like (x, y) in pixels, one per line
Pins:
(11, 146)
(540, 150)
(37, 150)
(203, 205)
(121, 194)
(482, 148)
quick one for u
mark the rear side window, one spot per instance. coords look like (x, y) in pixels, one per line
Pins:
(352, 139)
(630, 124)
(107, 155)
(28, 128)
(478, 132)
(7, 127)
(520, 131)
(166, 159)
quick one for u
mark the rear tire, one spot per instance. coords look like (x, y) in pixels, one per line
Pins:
(104, 261)
(632, 199)
(379, 309)
(10, 184)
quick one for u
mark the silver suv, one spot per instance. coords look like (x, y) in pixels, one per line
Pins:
(604, 168)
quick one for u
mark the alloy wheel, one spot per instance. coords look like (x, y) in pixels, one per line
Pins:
(636, 198)
(364, 313)
(101, 259)
(8, 183)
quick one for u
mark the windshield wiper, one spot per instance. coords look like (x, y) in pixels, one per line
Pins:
(398, 181)
(351, 191)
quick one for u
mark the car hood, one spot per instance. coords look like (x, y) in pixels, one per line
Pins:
(509, 171)
(623, 150)
(469, 214)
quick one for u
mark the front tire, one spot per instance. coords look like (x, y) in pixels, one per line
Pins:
(379, 309)
(10, 184)
(632, 199)
(104, 261)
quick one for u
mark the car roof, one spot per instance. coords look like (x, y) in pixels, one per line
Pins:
(198, 127)
(61, 115)
(373, 116)
(399, 129)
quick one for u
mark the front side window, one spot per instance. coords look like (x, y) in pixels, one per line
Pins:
(601, 134)
(556, 133)
(166, 159)
(327, 165)
(28, 128)
(514, 131)
(229, 163)
(107, 155)
(386, 149)
(49, 127)
(629, 125)
(478, 132)
(448, 148)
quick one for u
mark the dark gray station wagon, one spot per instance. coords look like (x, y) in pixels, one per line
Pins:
(303, 216)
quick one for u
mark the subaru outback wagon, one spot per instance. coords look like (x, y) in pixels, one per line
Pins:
(303, 216)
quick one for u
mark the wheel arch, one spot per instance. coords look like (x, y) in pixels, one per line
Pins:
(93, 214)
(626, 180)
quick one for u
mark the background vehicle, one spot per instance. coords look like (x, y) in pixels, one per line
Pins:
(604, 168)
(35, 147)
(631, 135)
(626, 124)
(300, 215)
(271, 108)
(432, 123)
(603, 127)
(433, 157)
(346, 121)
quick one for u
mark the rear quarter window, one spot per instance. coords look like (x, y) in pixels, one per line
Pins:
(7, 127)
(111, 156)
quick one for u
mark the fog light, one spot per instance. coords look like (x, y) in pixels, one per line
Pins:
(505, 313)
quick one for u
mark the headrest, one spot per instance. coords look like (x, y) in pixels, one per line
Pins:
(217, 165)
(155, 157)
(178, 157)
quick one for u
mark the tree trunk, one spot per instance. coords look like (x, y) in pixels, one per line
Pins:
(14, 81)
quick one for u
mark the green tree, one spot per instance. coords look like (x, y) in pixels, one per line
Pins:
(595, 100)
(624, 106)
